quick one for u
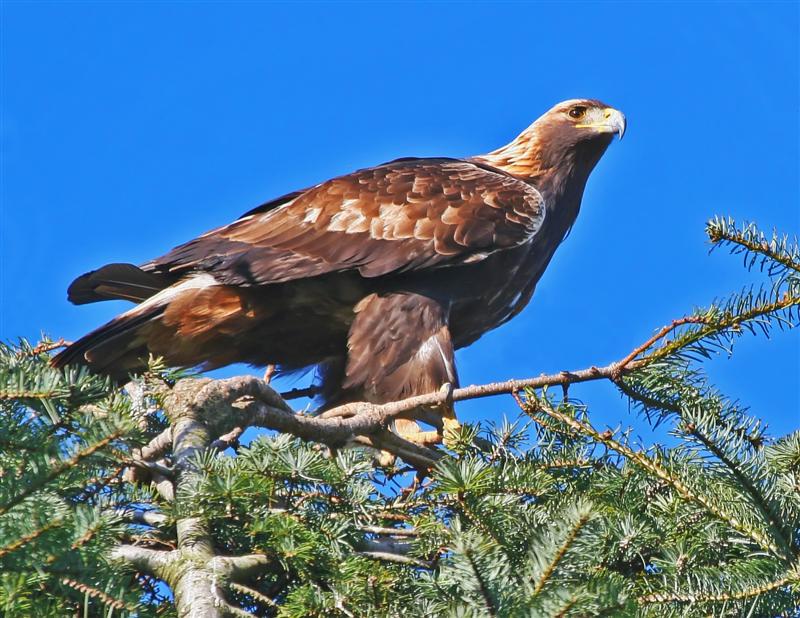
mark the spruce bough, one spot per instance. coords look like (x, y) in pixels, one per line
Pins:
(143, 502)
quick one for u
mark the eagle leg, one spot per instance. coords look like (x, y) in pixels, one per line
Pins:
(399, 346)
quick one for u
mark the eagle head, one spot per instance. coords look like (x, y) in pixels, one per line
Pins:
(570, 136)
(580, 120)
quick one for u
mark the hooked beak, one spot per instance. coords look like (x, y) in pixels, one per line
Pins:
(613, 122)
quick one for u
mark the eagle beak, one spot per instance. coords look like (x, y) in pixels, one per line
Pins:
(613, 122)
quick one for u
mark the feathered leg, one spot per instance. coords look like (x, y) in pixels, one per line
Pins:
(399, 346)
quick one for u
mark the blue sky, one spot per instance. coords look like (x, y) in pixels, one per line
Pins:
(128, 128)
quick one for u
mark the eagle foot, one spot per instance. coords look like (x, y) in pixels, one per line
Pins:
(411, 431)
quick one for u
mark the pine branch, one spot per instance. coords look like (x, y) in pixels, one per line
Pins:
(488, 601)
(388, 531)
(709, 325)
(255, 594)
(95, 593)
(142, 517)
(751, 241)
(27, 538)
(156, 448)
(59, 469)
(755, 591)
(559, 554)
(662, 473)
(150, 561)
(766, 510)
(241, 567)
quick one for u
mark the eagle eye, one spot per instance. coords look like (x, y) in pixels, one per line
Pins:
(579, 111)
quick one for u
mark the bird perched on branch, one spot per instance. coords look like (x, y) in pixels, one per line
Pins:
(375, 277)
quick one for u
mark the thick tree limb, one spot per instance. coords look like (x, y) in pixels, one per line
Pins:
(150, 561)
(228, 440)
(157, 447)
(142, 517)
(238, 568)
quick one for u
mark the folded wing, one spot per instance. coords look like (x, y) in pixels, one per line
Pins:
(405, 215)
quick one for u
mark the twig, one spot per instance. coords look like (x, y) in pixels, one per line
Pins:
(32, 536)
(142, 517)
(96, 593)
(45, 346)
(623, 364)
(396, 409)
(388, 531)
(255, 594)
(559, 555)
(297, 393)
(389, 557)
(688, 597)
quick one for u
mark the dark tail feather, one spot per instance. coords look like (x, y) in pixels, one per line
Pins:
(116, 348)
(116, 281)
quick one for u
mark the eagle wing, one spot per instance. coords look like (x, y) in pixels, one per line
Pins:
(404, 215)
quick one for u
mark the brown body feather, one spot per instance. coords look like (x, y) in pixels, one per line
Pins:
(376, 276)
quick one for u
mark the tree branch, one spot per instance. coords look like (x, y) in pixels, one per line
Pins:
(142, 517)
(655, 468)
(157, 447)
(398, 558)
(388, 531)
(239, 568)
(150, 561)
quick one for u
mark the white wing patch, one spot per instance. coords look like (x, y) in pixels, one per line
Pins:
(195, 282)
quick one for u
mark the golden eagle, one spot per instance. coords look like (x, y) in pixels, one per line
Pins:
(374, 277)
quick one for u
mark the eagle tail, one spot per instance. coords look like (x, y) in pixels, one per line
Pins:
(116, 281)
(117, 348)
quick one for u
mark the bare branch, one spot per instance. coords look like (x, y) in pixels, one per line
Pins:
(261, 598)
(157, 447)
(150, 561)
(153, 467)
(401, 548)
(240, 568)
(389, 557)
(625, 362)
(388, 531)
(228, 440)
(164, 487)
(142, 517)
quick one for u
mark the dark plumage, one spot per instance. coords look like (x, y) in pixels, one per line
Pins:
(375, 276)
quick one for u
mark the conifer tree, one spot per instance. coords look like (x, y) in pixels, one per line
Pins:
(142, 501)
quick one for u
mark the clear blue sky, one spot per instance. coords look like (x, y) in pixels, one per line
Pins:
(128, 128)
